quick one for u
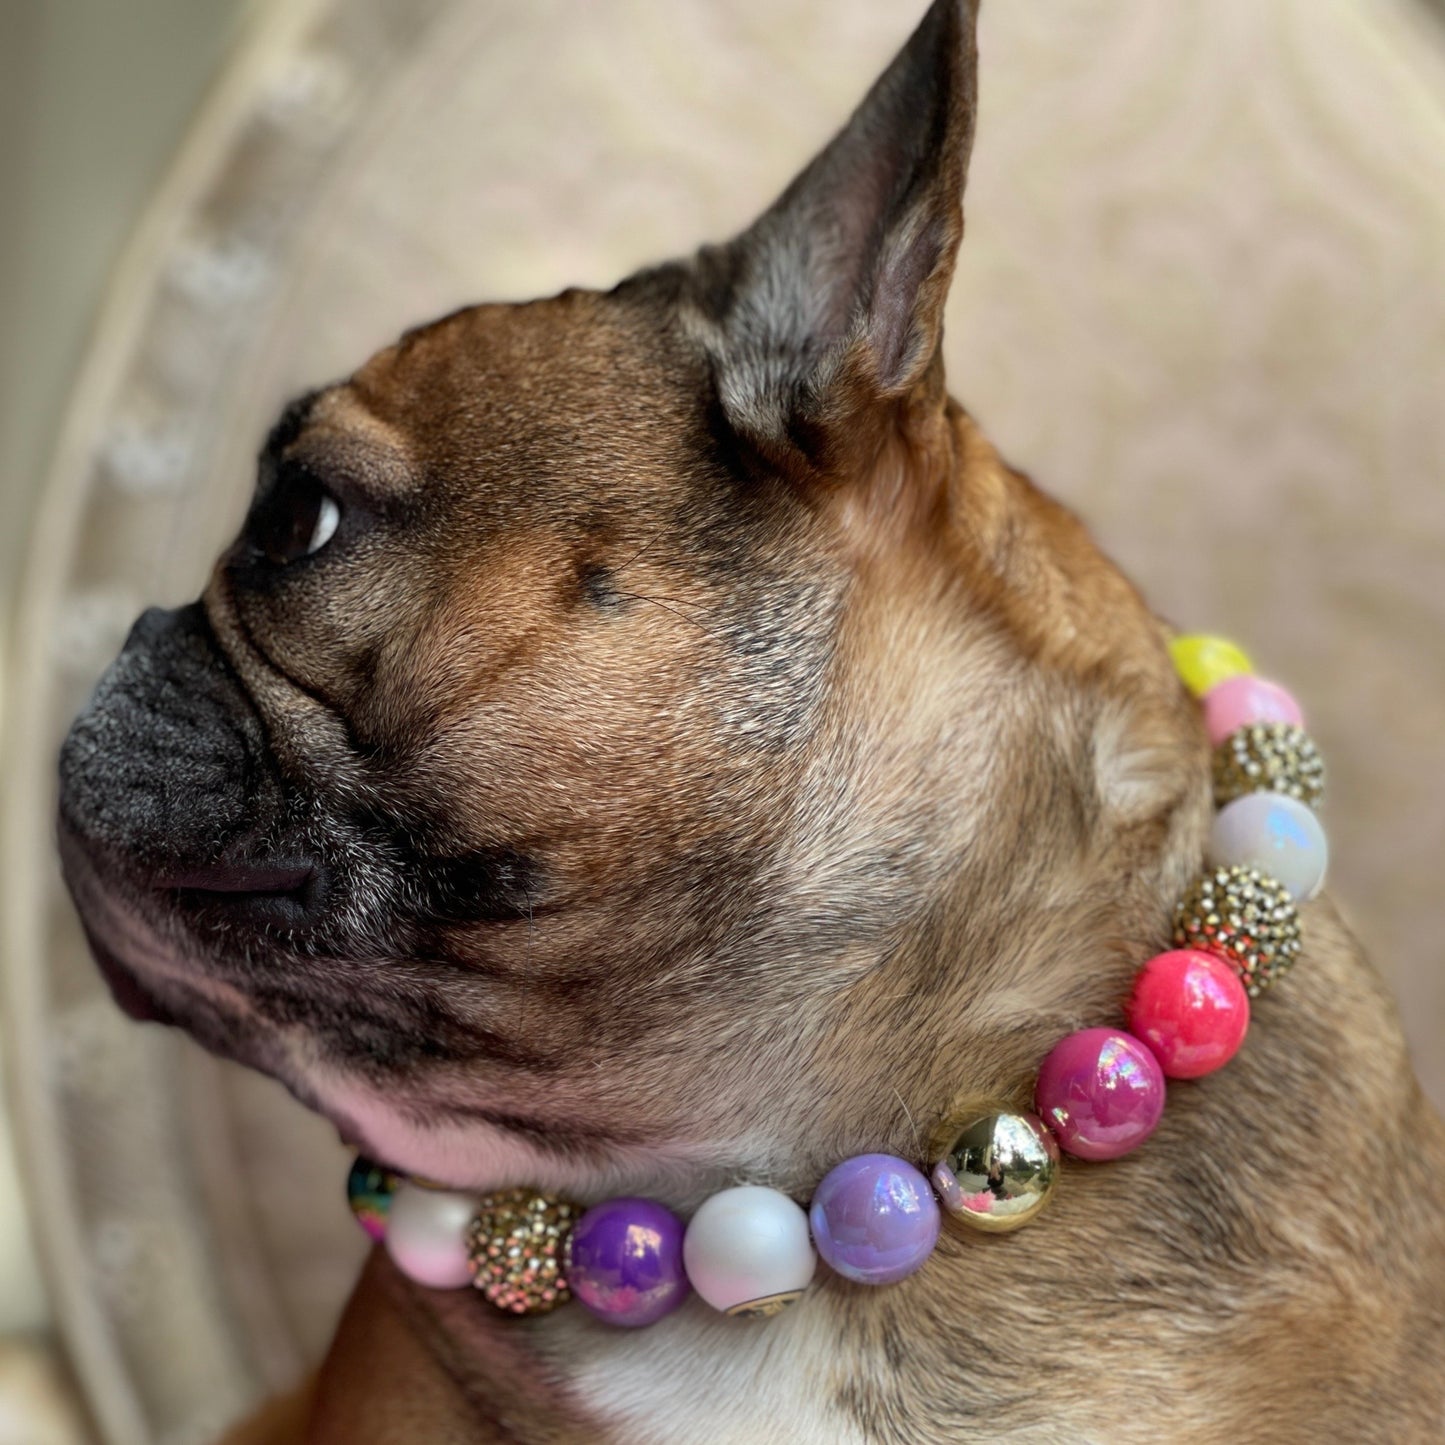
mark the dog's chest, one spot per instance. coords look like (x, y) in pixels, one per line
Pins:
(699, 1378)
(702, 1377)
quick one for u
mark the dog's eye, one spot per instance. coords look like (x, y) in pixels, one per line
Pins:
(298, 518)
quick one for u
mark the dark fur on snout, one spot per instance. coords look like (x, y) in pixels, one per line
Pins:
(696, 757)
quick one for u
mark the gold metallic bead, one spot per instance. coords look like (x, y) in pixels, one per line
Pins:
(1246, 917)
(999, 1172)
(1268, 757)
(516, 1249)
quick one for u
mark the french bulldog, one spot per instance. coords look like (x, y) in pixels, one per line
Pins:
(646, 741)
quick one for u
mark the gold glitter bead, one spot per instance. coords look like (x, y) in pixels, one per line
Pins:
(1246, 917)
(516, 1249)
(998, 1173)
(1268, 757)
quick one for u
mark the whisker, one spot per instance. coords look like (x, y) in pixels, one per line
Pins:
(641, 551)
(675, 608)
(912, 1123)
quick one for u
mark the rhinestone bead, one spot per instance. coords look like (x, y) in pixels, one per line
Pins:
(1268, 757)
(998, 1173)
(516, 1248)
(1245, 917)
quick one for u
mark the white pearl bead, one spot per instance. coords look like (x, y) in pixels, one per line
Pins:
(426, 1234)
(747, 1244)
(1278, 835)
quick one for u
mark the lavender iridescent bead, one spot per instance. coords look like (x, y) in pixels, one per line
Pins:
(874, 1219)
(625, 1261)
(1101, 1092)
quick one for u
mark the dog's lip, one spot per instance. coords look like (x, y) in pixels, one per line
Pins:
(232, 878)
(280, 893)
(126, 989)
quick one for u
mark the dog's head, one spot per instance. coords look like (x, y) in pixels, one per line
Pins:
(649, 730)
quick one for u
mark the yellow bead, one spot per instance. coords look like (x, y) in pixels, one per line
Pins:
(998, 1173)
(1202, 662)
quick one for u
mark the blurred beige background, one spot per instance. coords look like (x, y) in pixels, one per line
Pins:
(94, 98)
(1202, 297)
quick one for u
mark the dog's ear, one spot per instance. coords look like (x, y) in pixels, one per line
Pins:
(831, 304)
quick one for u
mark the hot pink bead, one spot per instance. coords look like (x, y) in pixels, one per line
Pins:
(1191, 1009)
(1101, 1092)
(1239, 701)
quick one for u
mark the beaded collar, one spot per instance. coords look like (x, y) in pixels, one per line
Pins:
(875, 1219)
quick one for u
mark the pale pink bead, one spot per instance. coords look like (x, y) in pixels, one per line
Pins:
(1239, 701)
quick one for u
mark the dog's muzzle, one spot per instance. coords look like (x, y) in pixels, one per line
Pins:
(168, 808)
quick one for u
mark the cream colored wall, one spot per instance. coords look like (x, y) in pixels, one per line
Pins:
(94, 97)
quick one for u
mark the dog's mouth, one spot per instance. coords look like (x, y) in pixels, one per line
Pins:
(127, 912)
(286, 894)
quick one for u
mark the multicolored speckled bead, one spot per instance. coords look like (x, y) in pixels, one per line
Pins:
(516, 1248)
(1246, 918)
(369, 1188)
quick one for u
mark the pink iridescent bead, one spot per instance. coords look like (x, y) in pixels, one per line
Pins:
(1191, 1009)
(1101, 1092)
(1239, 701)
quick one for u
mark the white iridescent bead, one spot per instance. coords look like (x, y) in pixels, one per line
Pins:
(426, 1235)
(1280, 836)
(747, 1251)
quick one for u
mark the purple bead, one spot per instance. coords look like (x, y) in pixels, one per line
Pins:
(874, 1219)
(626, 1261)
(1101, 1091)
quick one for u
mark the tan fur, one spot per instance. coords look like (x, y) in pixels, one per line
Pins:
(842, 775)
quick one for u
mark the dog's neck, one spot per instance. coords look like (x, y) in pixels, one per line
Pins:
(1249, 1231)
(1237, 1235)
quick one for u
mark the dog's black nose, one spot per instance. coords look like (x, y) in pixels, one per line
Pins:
(155, 622)
(161, 767)
(166, 797)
